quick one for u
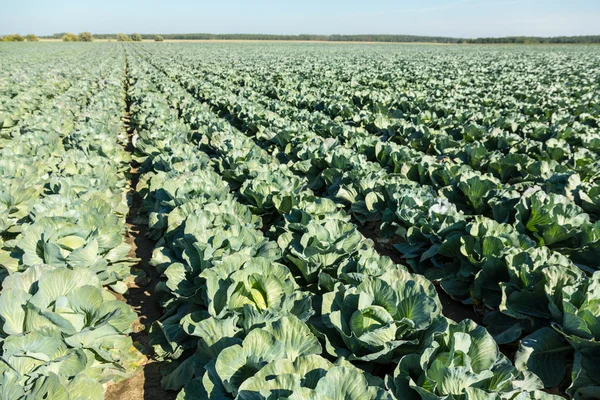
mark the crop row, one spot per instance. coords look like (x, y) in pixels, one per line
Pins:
(310, 273)
(260, 169)
(519, 280)
(511, 153)
(532, 94)
(29, 84)
(471, 191)
(63, 200)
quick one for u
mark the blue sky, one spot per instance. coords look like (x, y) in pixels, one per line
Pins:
(458, 18)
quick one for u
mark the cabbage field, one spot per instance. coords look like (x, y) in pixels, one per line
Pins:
(299, 221)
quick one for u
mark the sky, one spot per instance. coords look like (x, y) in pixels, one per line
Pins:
(455, 18)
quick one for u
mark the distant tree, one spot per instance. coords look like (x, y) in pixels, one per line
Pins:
(158, 38)
(136, 37)
(14, 38)
(32, 38)
(121, 37)
(86, 37)
(70, 37)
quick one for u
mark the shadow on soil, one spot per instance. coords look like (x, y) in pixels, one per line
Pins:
(146, 384)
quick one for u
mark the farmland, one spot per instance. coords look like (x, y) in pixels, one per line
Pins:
(302, 221)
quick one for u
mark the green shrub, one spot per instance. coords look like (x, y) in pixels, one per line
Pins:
(86, 37)
(14, 38)
(70, 37)
(121, 37)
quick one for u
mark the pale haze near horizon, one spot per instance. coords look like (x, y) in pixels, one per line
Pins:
(454, 18)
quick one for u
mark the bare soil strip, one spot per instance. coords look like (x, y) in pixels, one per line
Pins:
(146, 384)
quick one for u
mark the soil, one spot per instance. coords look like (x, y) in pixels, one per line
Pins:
(146, 384)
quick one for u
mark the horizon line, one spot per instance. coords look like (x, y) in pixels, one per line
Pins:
(330, 35)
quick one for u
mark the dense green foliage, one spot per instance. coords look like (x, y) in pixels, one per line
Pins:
(13, 38)
(446, 153)
(86, 37)
(70, 37)
(121, 37)
(273, 179)
(62, 223)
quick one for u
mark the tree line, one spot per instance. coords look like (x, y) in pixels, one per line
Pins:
(82, 37)
(18, 38)
(136, 37)
(119, 37)
(362, 38)
(540, 40)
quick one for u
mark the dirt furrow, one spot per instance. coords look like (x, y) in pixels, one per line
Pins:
(146, 384)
